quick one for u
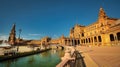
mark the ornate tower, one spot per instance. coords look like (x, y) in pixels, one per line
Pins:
(102, 16)
(12, 36)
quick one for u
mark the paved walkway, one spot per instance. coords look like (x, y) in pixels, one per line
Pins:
(100, 56)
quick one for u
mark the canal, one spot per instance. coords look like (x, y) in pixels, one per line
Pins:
(46, 59)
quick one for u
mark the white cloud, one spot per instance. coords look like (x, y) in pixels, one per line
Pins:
(3, 37)
(34, 34)
(26, 38)
(55, 36)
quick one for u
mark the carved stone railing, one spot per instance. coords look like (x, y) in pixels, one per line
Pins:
(65, 62)
(72, 60)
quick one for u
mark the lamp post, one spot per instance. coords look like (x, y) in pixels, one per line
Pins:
(20, 30)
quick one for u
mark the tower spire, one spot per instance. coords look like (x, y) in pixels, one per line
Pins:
(12, 36)
(102, 15)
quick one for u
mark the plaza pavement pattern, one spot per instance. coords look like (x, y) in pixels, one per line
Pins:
(104, 56)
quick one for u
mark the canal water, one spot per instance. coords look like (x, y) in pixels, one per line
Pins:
(46, 59)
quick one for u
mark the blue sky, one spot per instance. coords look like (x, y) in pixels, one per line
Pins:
(39, 18)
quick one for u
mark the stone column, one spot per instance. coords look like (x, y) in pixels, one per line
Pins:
(71, 42)
(93, 40)
(116, 40)
(67, 42)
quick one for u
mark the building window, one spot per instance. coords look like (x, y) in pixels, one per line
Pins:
(72, 42)
(65, 42)
(99, 39)
(118, 35)
(111, 37)
(89, 40)
(82, 34)
(95, 39)
(101, 24)
(86, 40)
(75, 42)
(78, 41)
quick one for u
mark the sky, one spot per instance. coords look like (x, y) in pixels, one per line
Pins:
(53, 18)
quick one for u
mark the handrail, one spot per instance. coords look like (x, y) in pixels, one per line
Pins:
(76, 58)
(65, 62)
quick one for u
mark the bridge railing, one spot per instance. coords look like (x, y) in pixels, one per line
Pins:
(65, 63)
(75, 61)
(79, 61)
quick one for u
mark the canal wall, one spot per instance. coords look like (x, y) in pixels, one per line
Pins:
(23, 54)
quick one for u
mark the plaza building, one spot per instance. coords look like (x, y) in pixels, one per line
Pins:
(105, 31)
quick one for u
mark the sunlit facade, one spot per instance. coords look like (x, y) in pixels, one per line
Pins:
(105, 31)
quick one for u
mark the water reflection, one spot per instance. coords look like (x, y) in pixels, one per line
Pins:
(46, 59)
(31, 60)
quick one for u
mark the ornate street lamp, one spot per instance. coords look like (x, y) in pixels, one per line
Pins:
(20, 30)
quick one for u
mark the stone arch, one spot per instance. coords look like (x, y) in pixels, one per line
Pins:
(86, 40)
(82, 34)
(69, 41)
(112, 37)
(78, 41)
(72, 42)
(99, 39)
(65, 41)
(89, 40)
(75, 42)
(95, 39)
(118, 35)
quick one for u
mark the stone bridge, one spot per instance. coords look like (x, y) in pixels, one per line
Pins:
(57, 46)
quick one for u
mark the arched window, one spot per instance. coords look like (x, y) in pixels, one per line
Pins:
(89, 40)
(95, 39)
(72, 42)
(69, 41)
(99, 39)
(118, 35)
(75, 42)
(65, 41)
(86, 40)
(112, 37)
(78, 41)
(82, 34)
